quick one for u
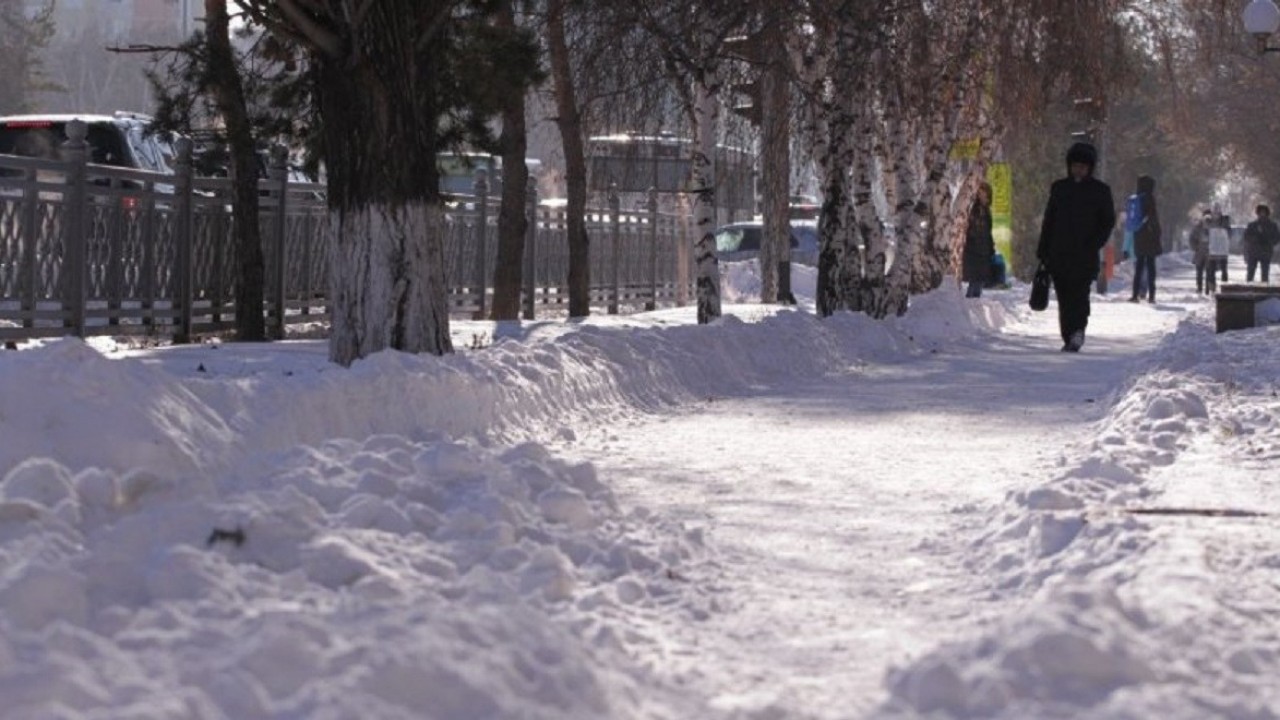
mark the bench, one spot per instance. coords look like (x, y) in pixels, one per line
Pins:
(1235, 304)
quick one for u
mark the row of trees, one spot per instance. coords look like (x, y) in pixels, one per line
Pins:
(881, 92)
(871, 93)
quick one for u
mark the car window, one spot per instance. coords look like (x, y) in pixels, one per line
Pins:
(728, 240)
(33, 142)
(107, 145)
(750, 239)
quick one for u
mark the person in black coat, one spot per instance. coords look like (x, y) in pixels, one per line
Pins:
(1260, 240)
(1147, 245)
(1077, 223)
(979, 246)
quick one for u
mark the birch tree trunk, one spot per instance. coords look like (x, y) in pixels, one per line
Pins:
(901, 179)
(840, 262)
(835, 226)
(706, 115)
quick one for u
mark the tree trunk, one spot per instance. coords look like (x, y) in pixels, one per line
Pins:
(379, 103)
(385, 275)
(229, 93)
(775, 127)
(512, 223)
(705, 116)
(839, 259)
(569, 120)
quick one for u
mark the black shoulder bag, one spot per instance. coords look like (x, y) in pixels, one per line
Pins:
(1040, 289)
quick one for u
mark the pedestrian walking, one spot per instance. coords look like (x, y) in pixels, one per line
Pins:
(1077, 222)
(1199, 242)
(979, 246)
(1219, 246)
(1147, 245)
(1260, 239)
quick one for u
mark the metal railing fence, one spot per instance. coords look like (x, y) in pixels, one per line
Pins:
(90, 249)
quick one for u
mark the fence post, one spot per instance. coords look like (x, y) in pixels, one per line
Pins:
(147, 263)
(531, 249)
(279, 174)
(615, 223)
(75, 254)
(183, 228)
(482, 226)
(653, 250)
(112, 271)
(30, 244)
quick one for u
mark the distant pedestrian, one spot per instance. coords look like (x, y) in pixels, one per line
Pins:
(1146, 239)
(979, 246)
(1219, 246)
(1220, 261)
(1199, 242)
(1260, 239)
(1077, 223)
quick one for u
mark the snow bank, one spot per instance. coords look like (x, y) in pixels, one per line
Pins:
(194, 532)
(290, 594)
(1134, 615)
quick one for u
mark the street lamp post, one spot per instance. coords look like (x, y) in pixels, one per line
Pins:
(1262, 20)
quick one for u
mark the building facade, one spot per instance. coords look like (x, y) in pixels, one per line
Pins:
(125, 20)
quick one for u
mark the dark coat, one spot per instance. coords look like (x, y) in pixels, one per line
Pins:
(1260, 239)
(979, 246)
(1077, 223)
(1147, 239)
(1199, 242)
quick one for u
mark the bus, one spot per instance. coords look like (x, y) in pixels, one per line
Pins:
(634, 163)
(458, 172)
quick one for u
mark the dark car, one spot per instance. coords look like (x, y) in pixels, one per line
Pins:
(120, 140)
(741, 241)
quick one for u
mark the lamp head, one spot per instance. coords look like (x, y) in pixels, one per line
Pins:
(1261, 19)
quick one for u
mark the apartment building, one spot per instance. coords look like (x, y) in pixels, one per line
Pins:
(129, 20)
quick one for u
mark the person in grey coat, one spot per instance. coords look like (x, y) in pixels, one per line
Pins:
(1077, 223)
(1199, 242)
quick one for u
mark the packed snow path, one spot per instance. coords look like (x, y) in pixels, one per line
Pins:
(784, 518)
(843, 507)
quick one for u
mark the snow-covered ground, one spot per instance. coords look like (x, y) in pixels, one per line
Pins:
(772, 517)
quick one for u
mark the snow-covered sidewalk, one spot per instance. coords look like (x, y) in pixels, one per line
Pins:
(846, 507)
(772, 517)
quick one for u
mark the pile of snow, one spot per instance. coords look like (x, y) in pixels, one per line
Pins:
(1170, 611)
(380, 577)
(247, 531)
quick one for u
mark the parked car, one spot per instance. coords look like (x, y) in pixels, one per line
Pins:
(119, 140)
(741, 241)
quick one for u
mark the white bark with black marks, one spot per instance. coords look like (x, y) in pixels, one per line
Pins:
(386, 268)
(706, 117)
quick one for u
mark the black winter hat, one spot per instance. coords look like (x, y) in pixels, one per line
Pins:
(1083, 152)
(1146, 184)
